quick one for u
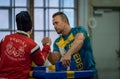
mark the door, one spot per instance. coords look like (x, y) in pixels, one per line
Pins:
(105, 39)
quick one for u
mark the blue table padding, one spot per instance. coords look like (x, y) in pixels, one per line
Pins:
(60, 67)
(84, 74)
(38, 68)
(62, 74)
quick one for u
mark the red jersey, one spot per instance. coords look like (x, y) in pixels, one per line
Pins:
(17, 51)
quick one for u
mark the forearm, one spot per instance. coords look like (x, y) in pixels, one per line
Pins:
(39, 56)
(54, 57)
(46, 51)
(51, 59)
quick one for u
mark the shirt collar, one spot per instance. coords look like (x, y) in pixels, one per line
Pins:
(24, 33)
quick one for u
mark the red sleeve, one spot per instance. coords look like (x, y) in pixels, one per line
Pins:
(46, 51)
(0, 47)
(39, 56)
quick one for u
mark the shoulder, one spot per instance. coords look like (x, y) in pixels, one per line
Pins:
(79, 29)
(57, 39)
(30, 41)
(27, 40)
(6, 37)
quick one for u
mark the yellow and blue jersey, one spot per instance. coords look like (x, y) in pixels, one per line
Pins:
(83, 59)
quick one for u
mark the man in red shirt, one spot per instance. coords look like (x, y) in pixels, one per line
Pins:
(18, 50)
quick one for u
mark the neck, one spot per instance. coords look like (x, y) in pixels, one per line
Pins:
(66, 30)
(26, 33)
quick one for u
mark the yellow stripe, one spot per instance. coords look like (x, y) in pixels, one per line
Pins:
(51, 67)
(33, 64)
(30, 73)
(63, 43)
(70, 74)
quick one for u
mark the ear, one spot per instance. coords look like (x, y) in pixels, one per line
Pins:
(30, 32)
(65, 21)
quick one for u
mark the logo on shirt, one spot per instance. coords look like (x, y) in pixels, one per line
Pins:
(78, 61)
(15, 52)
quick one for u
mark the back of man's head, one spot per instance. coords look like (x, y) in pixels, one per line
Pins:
(23, 21)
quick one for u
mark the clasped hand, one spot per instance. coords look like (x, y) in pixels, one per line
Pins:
(66, 60)
(46, 40)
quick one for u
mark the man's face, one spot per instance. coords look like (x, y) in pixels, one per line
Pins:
(58, 24)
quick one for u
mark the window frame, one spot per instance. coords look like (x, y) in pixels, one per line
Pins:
(30, 7)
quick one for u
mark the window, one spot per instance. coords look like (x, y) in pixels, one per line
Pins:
(4, 19)
(43, 11)
(8, 10)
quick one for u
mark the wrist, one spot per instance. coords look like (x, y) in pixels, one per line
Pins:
(47, 44)
(69, 54)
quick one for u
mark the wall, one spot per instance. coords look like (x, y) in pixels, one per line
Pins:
(105, 55)
(83, 13)
(107, 3)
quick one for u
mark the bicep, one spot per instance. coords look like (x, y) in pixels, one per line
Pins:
(78, 42)
(79, 38)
